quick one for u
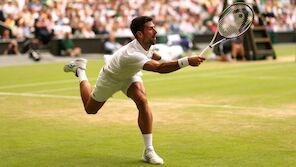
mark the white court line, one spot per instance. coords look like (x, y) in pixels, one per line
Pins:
(56, 90)
(236, 68)
(149, 80)
(37, 84)
(41, 83)
(122, 100)
(153, 79)
(38, 95)
(216, 74)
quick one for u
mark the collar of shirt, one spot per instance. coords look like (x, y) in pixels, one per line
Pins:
(139, 47)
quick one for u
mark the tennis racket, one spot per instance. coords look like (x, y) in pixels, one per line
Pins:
(234, 21)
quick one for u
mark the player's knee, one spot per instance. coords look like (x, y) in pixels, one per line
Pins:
(90, 111)
(92, 107)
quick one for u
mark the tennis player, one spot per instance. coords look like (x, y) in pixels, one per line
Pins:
(122, 72)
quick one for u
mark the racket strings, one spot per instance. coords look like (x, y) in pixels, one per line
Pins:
(235, 20)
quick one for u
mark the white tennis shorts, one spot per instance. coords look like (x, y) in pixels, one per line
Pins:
(106, 86)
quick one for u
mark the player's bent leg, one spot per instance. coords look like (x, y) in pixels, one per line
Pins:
(137, 93)
(78, 67)
(93, 106)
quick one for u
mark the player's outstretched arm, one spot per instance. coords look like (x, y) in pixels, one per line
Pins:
(171, 66)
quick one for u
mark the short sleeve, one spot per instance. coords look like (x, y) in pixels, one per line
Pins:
(137, 60)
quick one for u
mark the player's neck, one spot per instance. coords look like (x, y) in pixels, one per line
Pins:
(146, 46)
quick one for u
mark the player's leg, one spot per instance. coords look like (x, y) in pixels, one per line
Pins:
(91, 106)
(136, 92)
(78, 66)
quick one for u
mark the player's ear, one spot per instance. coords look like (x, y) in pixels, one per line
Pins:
(139, 34)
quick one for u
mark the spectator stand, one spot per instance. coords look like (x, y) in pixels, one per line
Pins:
(89, 21)
(260, 45)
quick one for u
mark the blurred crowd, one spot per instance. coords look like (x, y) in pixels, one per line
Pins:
(47, 19)
(279, 15)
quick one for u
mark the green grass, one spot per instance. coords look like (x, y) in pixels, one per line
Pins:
(219, 114)
(285, 49)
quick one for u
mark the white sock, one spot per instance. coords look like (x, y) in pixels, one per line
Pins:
(81, 75)
(148, 140)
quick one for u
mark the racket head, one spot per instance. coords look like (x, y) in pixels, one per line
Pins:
(235, 20)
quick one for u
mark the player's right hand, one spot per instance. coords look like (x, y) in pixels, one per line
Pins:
(195, 60)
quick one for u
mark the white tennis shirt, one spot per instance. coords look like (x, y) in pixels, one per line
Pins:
(127, 61)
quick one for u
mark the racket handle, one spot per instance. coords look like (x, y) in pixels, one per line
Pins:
(211, 46)
(205, 49)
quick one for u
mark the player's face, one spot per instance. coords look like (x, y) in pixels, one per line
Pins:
(149, 33)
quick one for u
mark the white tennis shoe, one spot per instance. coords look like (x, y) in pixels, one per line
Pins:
(151, 157)
(74, 65)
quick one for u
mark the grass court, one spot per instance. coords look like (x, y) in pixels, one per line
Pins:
(216, 115)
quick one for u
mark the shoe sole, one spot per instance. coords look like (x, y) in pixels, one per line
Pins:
(66, 69)
(147, 161)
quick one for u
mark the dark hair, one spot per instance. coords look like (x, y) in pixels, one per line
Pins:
(138, 24)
